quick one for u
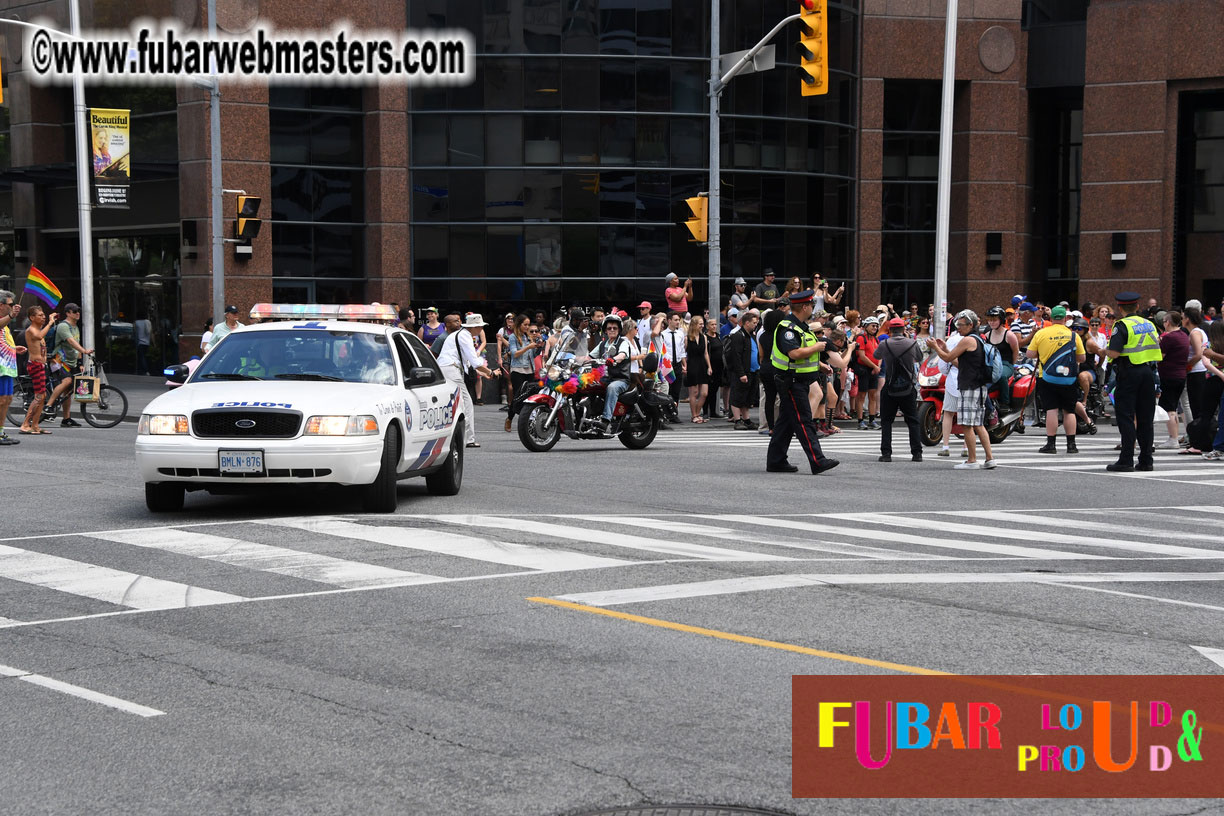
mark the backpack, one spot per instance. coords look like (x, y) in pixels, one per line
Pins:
(1061, 367)
(900, 380)
(995, 362)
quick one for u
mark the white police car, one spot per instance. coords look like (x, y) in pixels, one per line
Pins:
(316, 398)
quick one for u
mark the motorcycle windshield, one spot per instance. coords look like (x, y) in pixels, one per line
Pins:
(567, 346)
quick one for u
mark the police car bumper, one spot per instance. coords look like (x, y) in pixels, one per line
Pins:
(187, 460)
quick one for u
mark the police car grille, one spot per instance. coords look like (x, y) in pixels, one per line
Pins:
(249, 424)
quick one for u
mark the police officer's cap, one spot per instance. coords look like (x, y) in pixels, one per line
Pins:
(806, 296)
(1127, 298)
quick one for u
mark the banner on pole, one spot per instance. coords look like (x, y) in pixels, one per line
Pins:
(111, 139)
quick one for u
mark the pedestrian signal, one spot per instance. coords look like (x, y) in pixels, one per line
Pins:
(813, 48)
(246, 227)
(699, 224)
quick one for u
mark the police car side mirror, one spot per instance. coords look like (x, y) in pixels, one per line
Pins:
(419, 376)
(177, 373)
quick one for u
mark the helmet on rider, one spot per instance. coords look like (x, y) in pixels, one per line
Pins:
(613, 320)
(996, 311)
(871, 320)
(1079, 324)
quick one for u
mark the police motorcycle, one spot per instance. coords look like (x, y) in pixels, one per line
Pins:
(571, 396)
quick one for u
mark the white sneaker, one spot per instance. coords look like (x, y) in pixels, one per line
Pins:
(943, 452)
(1214, 456)
(968, 466)
(989, 464)
(1168, 444)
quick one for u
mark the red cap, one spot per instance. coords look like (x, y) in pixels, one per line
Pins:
(645, 304)
(896, 323)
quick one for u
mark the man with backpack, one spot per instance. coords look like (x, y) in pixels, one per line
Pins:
(1060, 351)
(899, 356)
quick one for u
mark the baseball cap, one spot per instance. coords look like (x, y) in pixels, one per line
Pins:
(896, 323)
(645, 304)
(782, 301)
(72, 307)
(231, 309)
(1027, 307)
(429, 309)
(1058, 312)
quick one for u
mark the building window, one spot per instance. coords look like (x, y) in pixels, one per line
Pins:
(318, 190)
(1200, 195)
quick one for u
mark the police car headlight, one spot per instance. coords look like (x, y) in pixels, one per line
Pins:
(364, 425)
(161, 425)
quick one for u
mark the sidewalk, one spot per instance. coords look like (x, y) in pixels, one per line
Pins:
(139, 391)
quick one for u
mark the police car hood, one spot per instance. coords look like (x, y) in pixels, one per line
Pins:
(335, 398)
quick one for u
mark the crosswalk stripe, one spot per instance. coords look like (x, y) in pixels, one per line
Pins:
(1027, 535)
(925, 541)
(839, 548)
(765, 582)
(461, 546)
(596, 536)
(103, 583)
(8, 622)
(1062, 521)
(266, 558)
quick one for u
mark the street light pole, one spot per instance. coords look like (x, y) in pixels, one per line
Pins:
(84, 197)
(714, 209)
(214, 116)
(944, 191)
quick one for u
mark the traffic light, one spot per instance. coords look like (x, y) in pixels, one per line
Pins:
(246, 227)
(813, 47)
(699, 224)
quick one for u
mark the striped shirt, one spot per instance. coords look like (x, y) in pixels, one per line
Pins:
(1023, 328)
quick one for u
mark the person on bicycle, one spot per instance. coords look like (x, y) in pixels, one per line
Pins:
(613, 350)
(68, 352)
(36, 366)
(8, 358)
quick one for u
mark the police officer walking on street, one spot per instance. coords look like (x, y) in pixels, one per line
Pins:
(795, 361)
(1134, 347)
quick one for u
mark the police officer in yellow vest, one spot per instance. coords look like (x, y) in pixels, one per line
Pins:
(794, 363)
(1134, 347)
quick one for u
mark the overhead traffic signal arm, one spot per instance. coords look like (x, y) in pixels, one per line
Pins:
(699, 224)
(813, 47)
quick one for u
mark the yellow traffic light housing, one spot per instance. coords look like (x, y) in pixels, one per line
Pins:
(246, 227)
(813, 47)
(699, 224)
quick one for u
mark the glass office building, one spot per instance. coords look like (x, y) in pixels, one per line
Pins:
(560, 175)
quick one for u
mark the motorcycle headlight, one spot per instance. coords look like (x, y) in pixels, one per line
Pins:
(554, 372)
(161, 425)
(362, 425)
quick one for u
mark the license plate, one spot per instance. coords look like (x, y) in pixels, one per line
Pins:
(240, 461)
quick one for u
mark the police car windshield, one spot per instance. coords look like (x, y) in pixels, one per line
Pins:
(300, 354)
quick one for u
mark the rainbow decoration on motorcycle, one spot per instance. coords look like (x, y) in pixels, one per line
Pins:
(576, 381)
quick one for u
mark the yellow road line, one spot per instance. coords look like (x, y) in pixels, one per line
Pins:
(752, 641)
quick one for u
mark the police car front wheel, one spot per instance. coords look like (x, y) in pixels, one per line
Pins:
(380, 496)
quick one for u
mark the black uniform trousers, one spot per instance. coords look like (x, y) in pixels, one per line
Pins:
(1135, 406)
(794, 419)
(908, 406)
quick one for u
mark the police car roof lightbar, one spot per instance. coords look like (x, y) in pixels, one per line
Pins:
(375, 312)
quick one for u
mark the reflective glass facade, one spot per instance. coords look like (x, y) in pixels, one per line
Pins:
(560, 175)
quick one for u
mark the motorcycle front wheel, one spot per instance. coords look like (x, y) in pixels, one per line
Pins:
(531, 431)
(640, 433)
(929, 424)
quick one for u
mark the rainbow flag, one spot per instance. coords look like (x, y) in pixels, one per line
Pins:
(41, 287)
(665, 372)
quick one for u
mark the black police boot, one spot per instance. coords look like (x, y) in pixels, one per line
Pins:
(1120, 467)
(823, 465)
(885, 457)
(1144, 465)
(785, 467)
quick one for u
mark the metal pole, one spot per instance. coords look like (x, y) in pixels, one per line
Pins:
(214, 115)
(84, 195)
(713, 244)
(945, 175)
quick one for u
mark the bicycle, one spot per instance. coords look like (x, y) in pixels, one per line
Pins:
(110, 409)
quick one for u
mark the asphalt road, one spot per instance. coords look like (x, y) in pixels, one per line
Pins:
(286, 653)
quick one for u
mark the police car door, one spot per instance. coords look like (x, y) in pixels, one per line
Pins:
(430, 409)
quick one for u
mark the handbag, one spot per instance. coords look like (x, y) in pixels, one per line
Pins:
(85, 388)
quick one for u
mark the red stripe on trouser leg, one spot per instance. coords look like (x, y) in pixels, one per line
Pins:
(807, 443)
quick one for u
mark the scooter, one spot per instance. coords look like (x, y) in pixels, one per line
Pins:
(931, 388)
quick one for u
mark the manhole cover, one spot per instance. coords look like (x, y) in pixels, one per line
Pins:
(683, 810)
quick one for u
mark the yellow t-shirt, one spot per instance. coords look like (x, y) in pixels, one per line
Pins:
(1050, 339)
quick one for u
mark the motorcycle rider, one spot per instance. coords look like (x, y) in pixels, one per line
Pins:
(1008, 346)
(613, 350)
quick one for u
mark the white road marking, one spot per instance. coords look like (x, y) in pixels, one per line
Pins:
(102, 583)
(766, 582)
(80, 691)
(925, 541)
(727, 533)
(1158, 599)
(462, 546)
(562, 531)
(1028, 535)
(1030, 520)
(1214, 655)
(267, 558)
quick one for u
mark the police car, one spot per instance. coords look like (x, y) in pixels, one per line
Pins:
(323, 395)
